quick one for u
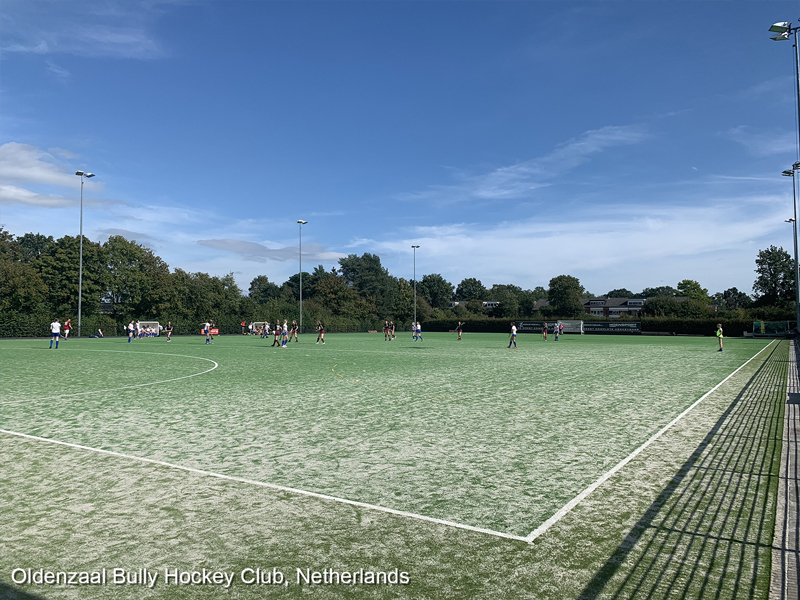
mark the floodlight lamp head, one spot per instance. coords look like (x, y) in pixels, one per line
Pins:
(80, 173)
(788, 220)
(787, 173)
(415, 246)
(782, 27)
(89, 175)
(302, 222)
(781, 37)
(796, 166)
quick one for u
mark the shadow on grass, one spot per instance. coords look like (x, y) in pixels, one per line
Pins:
(709, 532)
(11, 593)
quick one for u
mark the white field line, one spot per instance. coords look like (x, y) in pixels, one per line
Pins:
(272, 486)
(580, 497)
(125, 387)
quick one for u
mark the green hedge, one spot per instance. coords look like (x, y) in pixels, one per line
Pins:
(732, 328)
(25, 325)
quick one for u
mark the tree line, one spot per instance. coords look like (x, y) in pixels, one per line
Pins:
(124, 280)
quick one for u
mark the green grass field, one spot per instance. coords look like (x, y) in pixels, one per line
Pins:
(491, 441)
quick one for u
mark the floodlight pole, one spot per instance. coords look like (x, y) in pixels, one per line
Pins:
(784, 30)
(415, 283)
(80, 254)
(790, 173)
(300, 224)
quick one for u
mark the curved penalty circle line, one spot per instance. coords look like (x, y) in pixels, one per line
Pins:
(274, 486)
(562, 512)
(137, 385)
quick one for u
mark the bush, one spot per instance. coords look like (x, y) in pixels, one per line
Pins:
(14, 324)
(732, 328)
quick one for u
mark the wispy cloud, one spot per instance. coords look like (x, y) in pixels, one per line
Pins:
(25, 163)
(95, 29)
(137, 236)
(252, 251)
(521, 179)
(763, 143)
(621, 245)
(777, 86)
(60, 72)
(10, 194)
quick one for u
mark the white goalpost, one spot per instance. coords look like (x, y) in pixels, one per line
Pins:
(572, 326)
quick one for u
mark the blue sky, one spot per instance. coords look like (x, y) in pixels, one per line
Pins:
(630, 144)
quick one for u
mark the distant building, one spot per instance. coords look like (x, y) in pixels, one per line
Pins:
(613, 308)
(610, 308)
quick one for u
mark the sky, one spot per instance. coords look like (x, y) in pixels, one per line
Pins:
(629, 144)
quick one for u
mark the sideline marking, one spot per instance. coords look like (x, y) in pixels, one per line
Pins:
(561, 513)
(125, 387)
(272, 486)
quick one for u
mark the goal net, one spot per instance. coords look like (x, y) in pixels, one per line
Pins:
(150, 327)
(771, 328)
(572, 326)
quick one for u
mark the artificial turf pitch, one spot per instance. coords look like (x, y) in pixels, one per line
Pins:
(492, 441)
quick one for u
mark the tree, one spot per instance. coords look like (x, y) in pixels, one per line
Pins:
(663, 290)
(21, 288)
(59, 269)
(731, 299)
(471, 289)
(620, 293)
(693, 290)
(138, 282)
(506, 295)
(665, 306)
(774, 284)
(436, 290)
(539, 293)
(34, 245)
(294, 284)
(340, 298)
(660, 306)
(262, 289)
(371, 280)
(565, 295)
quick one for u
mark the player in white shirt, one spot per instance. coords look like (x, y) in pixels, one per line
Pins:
(513, 339)
(55, 332)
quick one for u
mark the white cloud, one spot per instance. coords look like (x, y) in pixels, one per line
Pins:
(765, 143)
(60, 72)
(252, 251)
(136, 236)
(777, 86)
(521, 179)
(94, 29)
(25, 163)
(40, 47)
(620, 246)
(10, 194)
